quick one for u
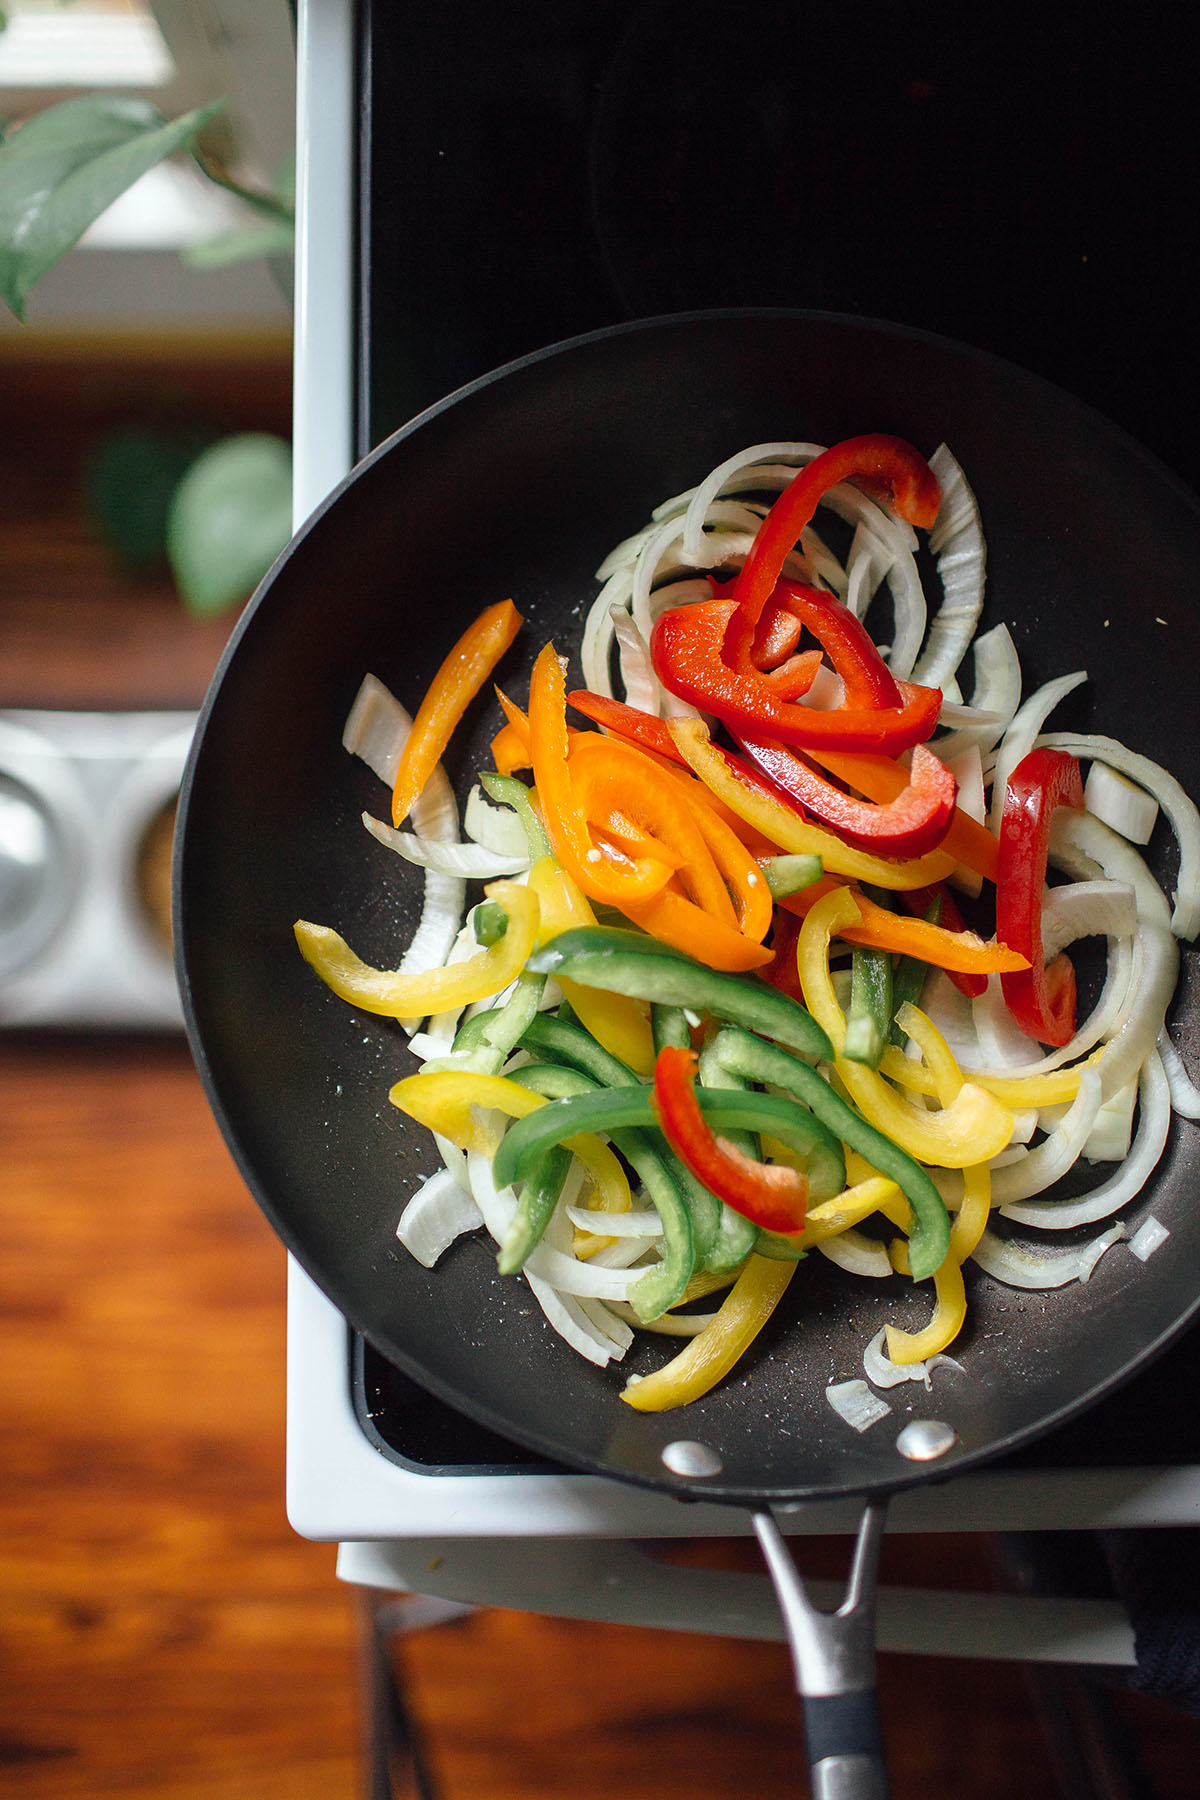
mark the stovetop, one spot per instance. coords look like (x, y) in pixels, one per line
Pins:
(994, 175)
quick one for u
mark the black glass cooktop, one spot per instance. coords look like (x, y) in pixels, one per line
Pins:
(1024, 179)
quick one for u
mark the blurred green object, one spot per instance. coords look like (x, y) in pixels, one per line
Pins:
(130, 481)
(229, 518)
(64, 167)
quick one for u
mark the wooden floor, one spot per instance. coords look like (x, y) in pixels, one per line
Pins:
(164, 1634)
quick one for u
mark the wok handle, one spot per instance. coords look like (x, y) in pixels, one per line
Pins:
(833, 1654)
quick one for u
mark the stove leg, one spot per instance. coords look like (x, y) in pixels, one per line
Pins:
(395, 1767)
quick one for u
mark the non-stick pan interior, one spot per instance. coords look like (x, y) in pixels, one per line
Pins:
(517, 487)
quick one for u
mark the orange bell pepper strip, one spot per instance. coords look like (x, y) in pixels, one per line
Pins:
(451, 691)
(674, 919)
(510, 750)
(602, 872)
(608, 775)
(962, 952)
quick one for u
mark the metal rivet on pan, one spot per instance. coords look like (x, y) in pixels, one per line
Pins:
(686, 1457)
(926, 1439)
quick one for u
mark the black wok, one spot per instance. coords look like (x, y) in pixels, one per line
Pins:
(518, 485)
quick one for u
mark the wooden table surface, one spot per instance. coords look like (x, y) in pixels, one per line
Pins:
(164, 1632)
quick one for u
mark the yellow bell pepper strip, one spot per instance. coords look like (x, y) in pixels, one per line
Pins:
(772, 1196)
(455, 1104)
(883, 778)
(785, 828)
(919, 1205)
(974, 1128)
(877, 928)
(972, 1215)
(713, 1352)
(1058, 1087)
(602, 873)
(949, 1315)
(451, 691)
(850, 1207)
(614, 1020)
(400, 996)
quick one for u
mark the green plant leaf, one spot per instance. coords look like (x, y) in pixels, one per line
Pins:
(273, 237)
(230, 517)
(61, 169)
(130, 480)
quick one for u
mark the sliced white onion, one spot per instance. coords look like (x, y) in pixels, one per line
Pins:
(1123, 805)
(1176, 804)
(961, 554)
(579, 1323)
(858, 1254)
(994, 699)
(644, 1224)
(638, 679)
(854, 1402)
(1125, 1183)
(571, 1275)
(1040, 1168)
(376, 728)
(667, 1324)
(1111, 1135)
(495, 827)
(1022, 734)
(1185, 1095)
(745, 470)
(881, 1371)
(1150, 1236)
(469, 861)
(439, 1212)
(1037, 1269)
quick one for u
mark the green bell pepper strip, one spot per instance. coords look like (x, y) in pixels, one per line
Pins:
(490, 923)
(487, 1040)
(628, 962)
(909, 975)
(576, 1047)
(617, 1109)
(788, 874)
(929, 1237)
(668, 1025)
(739, 1235)
(536, 1202)
(663, 1286)
(506, 790)
(869, 1017)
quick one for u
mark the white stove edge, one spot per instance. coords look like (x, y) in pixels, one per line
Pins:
(340, 1487)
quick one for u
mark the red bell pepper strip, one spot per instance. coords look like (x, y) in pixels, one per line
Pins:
(853, 652)
(687, 649)
(887, 466)
(770, 1195)
(1041, 999)
(916, 821)
(880, 778)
